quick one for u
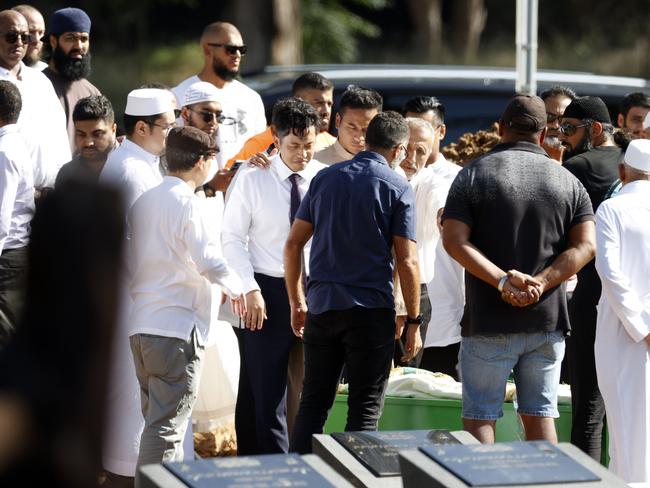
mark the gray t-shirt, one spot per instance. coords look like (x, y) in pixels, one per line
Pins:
(520, 205)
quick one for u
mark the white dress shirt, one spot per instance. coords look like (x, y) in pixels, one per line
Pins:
(431, 186)
(133, 170)
(256, 221)
(42, 122)
(243, 105)
(16, 189)
(173, 259)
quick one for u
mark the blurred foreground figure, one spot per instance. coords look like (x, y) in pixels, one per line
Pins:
(623, 325)
(53, 373)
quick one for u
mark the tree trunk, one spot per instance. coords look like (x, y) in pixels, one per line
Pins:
(426, 17)
(468, 22)
(254, 19)
(286, 47)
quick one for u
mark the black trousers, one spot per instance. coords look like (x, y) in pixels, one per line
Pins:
(588, 408)
(360, 338)
(400, 344)
(442, 360)
(13, 268)
(265, 358)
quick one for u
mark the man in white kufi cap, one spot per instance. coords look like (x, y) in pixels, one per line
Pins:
(202, 108)
(133, 168)
(623, 327)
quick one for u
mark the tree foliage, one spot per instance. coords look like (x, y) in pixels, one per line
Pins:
(331, 30)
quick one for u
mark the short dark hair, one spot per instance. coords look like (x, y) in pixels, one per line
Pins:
(311, 81)
(131, 120)
(634, 99)
(292, 115)
(387, 130)
(558, 90)
(94, 107)
(185, 146)
(154, 84)
(422, 104)
(359, 97)
(11, 103)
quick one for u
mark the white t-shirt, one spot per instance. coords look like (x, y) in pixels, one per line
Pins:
(243, 105)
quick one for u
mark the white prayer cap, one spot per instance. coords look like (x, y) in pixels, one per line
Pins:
(149, 101)
(201, 91)
(646, 121)
(638, 154)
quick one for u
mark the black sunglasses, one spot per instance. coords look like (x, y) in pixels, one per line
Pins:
(230, 48)
(208, 117)
(570, 129)
(12, 37)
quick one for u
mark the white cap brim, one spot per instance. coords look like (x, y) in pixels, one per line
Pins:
(149, 101)
(637, 154)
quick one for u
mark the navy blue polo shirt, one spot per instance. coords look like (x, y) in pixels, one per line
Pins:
(355, 207)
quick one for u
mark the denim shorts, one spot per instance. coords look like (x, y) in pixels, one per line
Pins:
(487, 360)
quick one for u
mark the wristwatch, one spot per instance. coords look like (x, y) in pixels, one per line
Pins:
(416, 321)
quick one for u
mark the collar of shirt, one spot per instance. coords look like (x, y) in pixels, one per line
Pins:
(175, 181)
(370, 156)
(8, 129)
(637, 186)
(519, 146)
(141, 153)
(284, 171)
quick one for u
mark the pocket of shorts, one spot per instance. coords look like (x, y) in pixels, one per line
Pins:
(489, 347)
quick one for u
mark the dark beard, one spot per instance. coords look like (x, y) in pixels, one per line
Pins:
(222, 72)
(31, 61)
(69, 68)
(583, 146)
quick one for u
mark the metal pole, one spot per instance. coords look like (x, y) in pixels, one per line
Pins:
(526, 45)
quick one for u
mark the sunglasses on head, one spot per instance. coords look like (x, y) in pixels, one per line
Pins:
(230, 48)
(570, 129)
(208, 117)
(12, 37)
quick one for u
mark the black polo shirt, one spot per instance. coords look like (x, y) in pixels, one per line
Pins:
(520, 205)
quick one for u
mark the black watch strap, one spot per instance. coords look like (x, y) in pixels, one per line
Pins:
(414, 321)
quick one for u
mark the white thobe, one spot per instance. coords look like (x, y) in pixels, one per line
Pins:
(622, 354)
(133, 171)
(42, 123)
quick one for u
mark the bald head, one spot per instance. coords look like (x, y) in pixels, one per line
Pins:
(27, 11)
(218, 29)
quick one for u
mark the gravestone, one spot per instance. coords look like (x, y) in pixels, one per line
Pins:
(370, 459)
(536, 464)
(269, 471)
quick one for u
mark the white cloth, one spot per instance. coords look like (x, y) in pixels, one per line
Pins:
(42, 123)
(443, 276)
(16, 189)
(239, 102)
(622, 354)
(173, 259)
(431, 186)
(256, 219)
(133, 170)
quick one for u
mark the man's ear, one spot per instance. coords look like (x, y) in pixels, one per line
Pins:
(54, 41)
(338, 120)
(114, 128)
(621, 120)
(621, 172)
(596, 129)
(442, 130)
(185, 115)
(140, 128)
(542, 135)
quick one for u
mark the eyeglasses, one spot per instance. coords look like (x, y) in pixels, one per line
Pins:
(550, 118)
(165, 128)
(231, 49)
(12, 37)
(208, 117)
(570, 129)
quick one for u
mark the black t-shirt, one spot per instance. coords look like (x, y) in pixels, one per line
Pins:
(596, 169)
(520, 205)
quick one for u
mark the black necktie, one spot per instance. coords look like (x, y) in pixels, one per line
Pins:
(295, 197)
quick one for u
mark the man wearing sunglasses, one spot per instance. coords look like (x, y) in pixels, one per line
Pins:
(42, 120)
(223, 50)
(556, 99)
(69, 40)
(587, 134)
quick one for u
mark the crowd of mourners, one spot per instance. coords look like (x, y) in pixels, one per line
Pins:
(339, 255)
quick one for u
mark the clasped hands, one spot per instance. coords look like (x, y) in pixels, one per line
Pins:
(521, 290)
